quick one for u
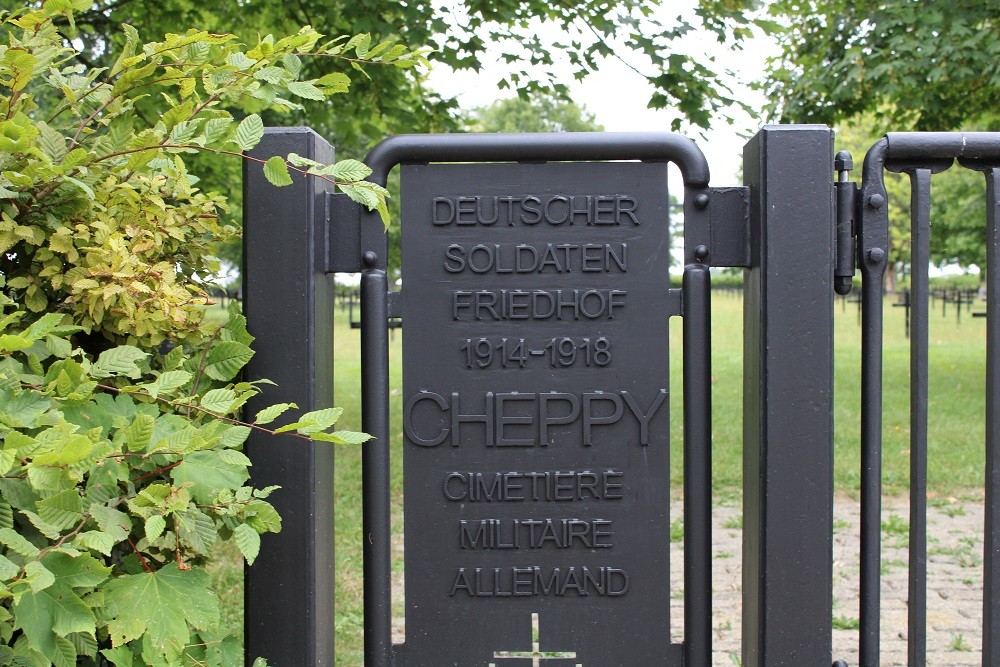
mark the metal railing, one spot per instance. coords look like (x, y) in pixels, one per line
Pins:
(920, 155)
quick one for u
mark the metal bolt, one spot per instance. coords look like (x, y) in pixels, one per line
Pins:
(369, 258)
(701, 201)
(843, 161)
(876, 255)
(701, 253)
(876, 201)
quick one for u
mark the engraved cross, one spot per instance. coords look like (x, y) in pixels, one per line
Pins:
(535, 654)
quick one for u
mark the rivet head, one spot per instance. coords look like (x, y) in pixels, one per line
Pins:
(369, 258)
(701, 201)
(876, 201)
(876, 255)
(701, 253)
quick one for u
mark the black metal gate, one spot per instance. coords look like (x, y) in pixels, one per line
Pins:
(920, 155)
(536, 412)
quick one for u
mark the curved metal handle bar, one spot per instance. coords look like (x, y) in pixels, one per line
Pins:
(968, 145)
(872, 177)
(540, 147)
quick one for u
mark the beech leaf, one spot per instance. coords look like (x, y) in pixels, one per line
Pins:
(276, 171)
(249, 132)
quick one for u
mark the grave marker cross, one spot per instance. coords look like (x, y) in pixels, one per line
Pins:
(535, 653)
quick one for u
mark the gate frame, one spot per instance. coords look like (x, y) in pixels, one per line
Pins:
(787, 436)
(788, 399)
(290, 313)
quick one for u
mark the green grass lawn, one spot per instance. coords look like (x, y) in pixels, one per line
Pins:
(957, 379)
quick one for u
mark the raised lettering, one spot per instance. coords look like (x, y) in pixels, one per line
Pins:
(548, 210)
(411, 403)
(485, 259)
(480, 218)
(439, 205)
(537, 486)
(556, 210)
(534, 209)
(590, 419)
(626, 206)
(522, 266)
(456, 255)
(526, 581)
(504, 420)
(465, 206)
(458, 418)
(472, 534)
(644, 415)
(461, 583)
(547, 419)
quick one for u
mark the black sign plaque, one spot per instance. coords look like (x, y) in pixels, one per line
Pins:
(536, 414)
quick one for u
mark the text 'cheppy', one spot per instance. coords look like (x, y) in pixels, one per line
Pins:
(520, 419)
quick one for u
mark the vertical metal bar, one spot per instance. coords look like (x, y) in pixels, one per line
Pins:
(991, 547)
(697, 466)
(375, 463)
(871, 462)
(289, 308)
(788, 400)
(920, 220)
(873, 247)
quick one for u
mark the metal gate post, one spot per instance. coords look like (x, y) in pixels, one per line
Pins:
(788, 399)
(289, 304)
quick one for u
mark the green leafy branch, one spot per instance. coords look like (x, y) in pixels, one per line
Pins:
(104, 463)
(121, 468)
(134, 272)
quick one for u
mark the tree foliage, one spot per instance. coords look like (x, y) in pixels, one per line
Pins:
(391, 101)
(120, 428)
(919, 64)
(897, 65)
(544, 113)
(461, 33)
(101, 215)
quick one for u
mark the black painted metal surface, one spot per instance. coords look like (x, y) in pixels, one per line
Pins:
(562, 146)
(697, 466)
(991, 564)
(481, 276)
(844, 269)
(921, 155)
(788, 399)
(536, 413)
(289, 308)
(375, 462)
(873, 244)
(920, 231)
(991, 541)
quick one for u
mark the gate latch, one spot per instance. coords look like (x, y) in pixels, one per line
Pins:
(846, 231)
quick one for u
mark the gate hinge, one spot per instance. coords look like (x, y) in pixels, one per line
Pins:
(347, 236)
(846, 227)
(716, 226)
